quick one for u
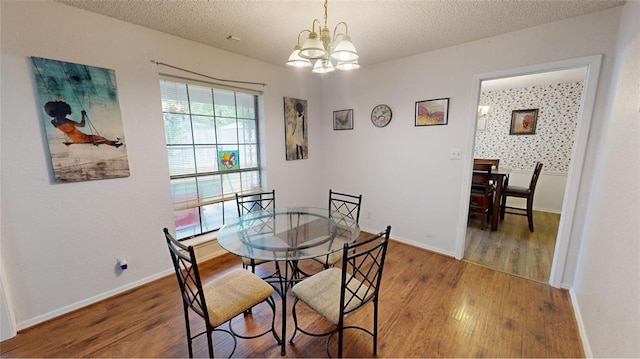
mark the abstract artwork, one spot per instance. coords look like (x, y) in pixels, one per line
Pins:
(80, 112)
(228, 160)
(295, 127)
(432, 112)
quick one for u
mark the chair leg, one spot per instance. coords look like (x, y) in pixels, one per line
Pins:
(210, 340)
(530, 213)
(503, 205)
(375, 326)
(188, 327)
(340, 338)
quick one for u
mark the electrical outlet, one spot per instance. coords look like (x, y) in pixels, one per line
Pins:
(456, 154)
(369, 215)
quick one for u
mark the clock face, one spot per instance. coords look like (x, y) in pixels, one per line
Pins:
(381, 115)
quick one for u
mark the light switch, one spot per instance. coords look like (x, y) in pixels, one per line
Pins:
(456, 154)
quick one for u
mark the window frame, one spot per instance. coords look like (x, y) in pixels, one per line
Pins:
(224, 201)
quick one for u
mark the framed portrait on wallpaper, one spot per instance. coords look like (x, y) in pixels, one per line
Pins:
(523, 122)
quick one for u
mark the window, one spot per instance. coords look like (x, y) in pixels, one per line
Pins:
(203, 126)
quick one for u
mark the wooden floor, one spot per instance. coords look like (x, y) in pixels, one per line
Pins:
(513, 249)
(431, 306)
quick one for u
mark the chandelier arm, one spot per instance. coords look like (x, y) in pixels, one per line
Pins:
(300, 33)
(313, 25)
(336, 33)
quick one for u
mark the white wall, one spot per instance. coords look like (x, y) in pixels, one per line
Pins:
(404, 172)
(607, 283)
(60, 242)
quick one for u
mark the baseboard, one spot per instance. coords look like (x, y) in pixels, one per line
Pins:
(415, 244)
(581, 329)
(83, 303)
(205, 249)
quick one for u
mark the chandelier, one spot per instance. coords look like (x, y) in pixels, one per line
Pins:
(323, 52)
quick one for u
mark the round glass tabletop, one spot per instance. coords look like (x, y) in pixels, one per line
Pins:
(286, 234)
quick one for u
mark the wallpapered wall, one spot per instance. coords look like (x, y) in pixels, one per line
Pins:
(558, 107)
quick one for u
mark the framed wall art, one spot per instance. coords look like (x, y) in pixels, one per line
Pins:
(523, 122)
(432, 112)
(295, 126)
(80, 112)
(343, 119)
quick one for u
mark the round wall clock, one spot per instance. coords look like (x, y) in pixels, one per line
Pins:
(381, 115)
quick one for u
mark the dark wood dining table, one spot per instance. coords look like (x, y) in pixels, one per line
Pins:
(498, 176)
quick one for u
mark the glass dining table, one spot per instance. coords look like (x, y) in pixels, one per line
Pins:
(286, 236)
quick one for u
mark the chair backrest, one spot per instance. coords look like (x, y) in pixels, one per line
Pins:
(362, 264)
(480, 186)
(495, 162)
(186, 268)
(535, 176)
(248, 203)
(481, 174)
(346, 204)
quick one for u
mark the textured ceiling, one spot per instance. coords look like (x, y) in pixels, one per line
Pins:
(382, 30)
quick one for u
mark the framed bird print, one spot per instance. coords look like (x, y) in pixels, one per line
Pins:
(432, 112)
(343, 119)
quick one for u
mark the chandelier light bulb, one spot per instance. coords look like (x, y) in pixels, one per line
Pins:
(345, 51)
(295, 60)
(312, 48)
(348, 65)
(323, 66)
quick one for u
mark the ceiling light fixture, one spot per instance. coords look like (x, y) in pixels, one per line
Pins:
(325, 50)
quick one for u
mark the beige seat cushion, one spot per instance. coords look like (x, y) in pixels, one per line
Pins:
(234, 293)
(247, 261)
(335, 257)
(331, 259)
(321, 292)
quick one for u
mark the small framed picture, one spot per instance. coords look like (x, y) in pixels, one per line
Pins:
(343, 119)
(523, 122)
(432, 112)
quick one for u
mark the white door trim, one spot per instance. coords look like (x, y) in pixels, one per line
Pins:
(592, 63)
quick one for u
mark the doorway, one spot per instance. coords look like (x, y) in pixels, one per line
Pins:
(554, 98)
(590, 68)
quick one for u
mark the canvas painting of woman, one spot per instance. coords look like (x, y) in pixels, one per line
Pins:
(80, 113)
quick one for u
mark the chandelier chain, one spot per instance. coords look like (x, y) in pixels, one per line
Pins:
(325, 12)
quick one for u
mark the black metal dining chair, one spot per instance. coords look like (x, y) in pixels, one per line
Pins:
(336, 293)
(347, 207)
(220, 300)
(247, 203)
